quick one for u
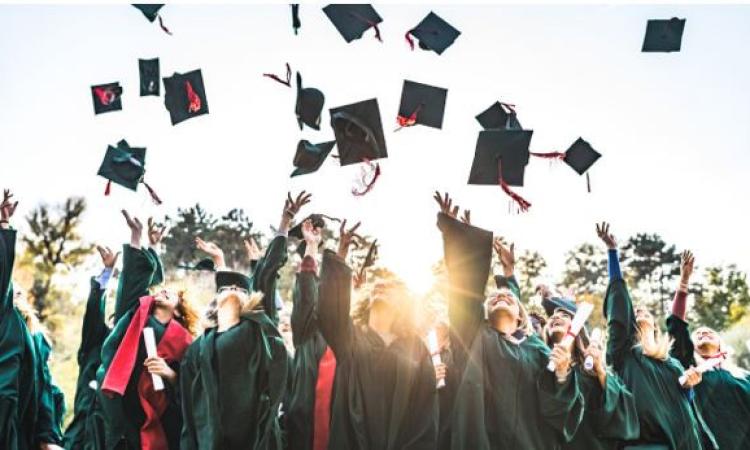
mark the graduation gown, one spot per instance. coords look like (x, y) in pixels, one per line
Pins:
(51, 403)
(18, 361)
(233, 382)
(722, 399)
(665, 413)
(384, 395)
(505, 397)
(85, 431)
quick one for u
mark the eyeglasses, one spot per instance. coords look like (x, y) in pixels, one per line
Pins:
(233, 288)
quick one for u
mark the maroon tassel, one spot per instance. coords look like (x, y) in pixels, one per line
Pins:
(105, 96)
(410, 121)
(151, 192)
(108, 189)
(164, 28)
(409, 39)
(370, 23)
(194, 101)
(287, 82)
(522, 204)
(368, 186)
(551, 155)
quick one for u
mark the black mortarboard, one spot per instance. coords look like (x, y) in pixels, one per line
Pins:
(185, 96)
(205, 264)
(359, 132)
(422, 104)
(226, 278)
(552, 304)
(508, 147)
(150, 10)
(296, 231)
(124, 165)
(309, 105)
(468, 252)
(499, 115)
(149, 70)
(663, 35)
(433, 34)
(107, 97)
(352, 20)
(580, 156)
(309, 157)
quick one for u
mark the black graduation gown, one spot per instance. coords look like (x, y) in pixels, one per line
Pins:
(384, 396)
(51, 409)
(18, 361)
(505, 397)
(722, 399)
(664, 408)
(309, 347)
(85, 431)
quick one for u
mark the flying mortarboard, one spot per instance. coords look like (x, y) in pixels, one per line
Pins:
(433, 33)
(151, 11)
(580, 156)
(499, 115)
(126, 166)
(185, 96)
(309, 105)
(359, 132)
(663, 35)
(149, 71)
(309, 157)
(421, 104)
(352, 20)
(107, 97)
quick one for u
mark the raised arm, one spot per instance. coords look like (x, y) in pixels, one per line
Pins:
(682, 348)
(506, 256)
(138, 267)
(94, 329)
(618, 306)
(7, 251)
(305, 297)
(47, 427)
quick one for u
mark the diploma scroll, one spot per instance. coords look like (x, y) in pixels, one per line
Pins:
(434, 347)
(596, 336)
(705, 366)
(150, 340)
(584, 311)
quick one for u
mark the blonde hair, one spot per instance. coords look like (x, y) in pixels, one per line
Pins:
(29, 313)
(248, 304)
(524, 320)
(186, 314)
(405, 324)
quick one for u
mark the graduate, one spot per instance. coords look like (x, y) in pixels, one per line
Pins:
(136, 415)
(86, 430)
(505, 396)
(384, 392)
(18, 359)
(234, 376)
(308, 415)
(639, 353)
(723, 395)
(609, 415)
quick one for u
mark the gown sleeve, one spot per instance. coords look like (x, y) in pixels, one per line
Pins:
(47, 428)
(511, 283)
(560, 404)
(305, 298)
(7, 258)
(682, 348)
(94, 329)
(266, 273)
(10, 351)
(615, 413)
(334, 301)
(138, 268)
(188, 439)
(618, 309)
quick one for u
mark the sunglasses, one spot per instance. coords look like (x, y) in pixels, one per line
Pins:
(233, 288)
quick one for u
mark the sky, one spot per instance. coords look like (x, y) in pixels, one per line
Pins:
(672, 128)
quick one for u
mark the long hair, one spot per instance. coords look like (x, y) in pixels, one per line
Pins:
(728, 364)
(580, 344)
(248, 304)
(29, 314)
(524, 320)
(186, 314)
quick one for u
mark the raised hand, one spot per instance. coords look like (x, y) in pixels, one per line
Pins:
(7, 208)
(109, 258)
(446, 204)
(312, 237)
(291, 208)
(692, 377)
(594, 350)
(466, 217)
(506, 255)
(253, 250)
(562, 359)
(213, 250)
(347, 238)
(155, 232)
(136, 230)
(602, 230)
(359, 278)
(687, 264)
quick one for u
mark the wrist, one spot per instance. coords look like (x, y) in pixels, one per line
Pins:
(311, 248)
(562, 377)
(507, 273)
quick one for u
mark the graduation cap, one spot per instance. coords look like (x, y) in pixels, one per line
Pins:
(296, 231)
(433, 33)
(552, 304)
(126, 166)
(309, 105)
(149, 71)
(499, 115)
(352, 20)
(185, 96)
(580, 156)
(309, 157)
(500, 158)
(151, 12)
(205, 264)
(663, 35)
(107, 97)
(421, 104)
(359, 132)
(226, 278)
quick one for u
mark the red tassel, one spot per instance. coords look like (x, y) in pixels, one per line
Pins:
(108, 189)
(151, 192)
(410, 121)
(522, 204)
(551, 155)
(409, 39)
(164, 28)
(105, 96)
(194, 101)
(287, 82)
(368, 186)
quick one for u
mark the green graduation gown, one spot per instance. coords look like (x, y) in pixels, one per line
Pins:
(18, 361)
(233, 382)
(505, 397)
(51, 409)
(384, 395)
(722, 399)
(666, 415)
(85, 431)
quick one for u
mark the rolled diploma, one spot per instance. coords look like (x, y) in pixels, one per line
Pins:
(596, 336)
(702, 367)
(583, 313)
(150, 341)
(432, 344)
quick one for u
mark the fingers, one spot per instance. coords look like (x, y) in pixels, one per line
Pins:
(127, 218)
(354, 228)
(102, 251)
(342, 227)
(454, 212)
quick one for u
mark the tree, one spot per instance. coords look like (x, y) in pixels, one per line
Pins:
(529, 266)
(54, 243)
(653, 265)
(586, 270)
(723, 299)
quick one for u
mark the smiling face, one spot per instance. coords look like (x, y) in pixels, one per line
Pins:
(503, 303)
(558, 324)
(706, 341)
(167, 299)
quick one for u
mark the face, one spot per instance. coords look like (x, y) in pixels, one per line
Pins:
(559, 324)
(504, 303)
(231, 293)
(165, 298)
(706, 341)
(644, 318)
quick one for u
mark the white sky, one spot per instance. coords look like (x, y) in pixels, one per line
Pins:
(673, 128)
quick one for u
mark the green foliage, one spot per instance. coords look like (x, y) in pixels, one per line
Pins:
(529, 268)
(654, 265)
(586, 270)
(723, 299)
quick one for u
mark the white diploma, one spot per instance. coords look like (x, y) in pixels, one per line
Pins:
(432, 345)
(150, 341)
(705, 366)
(583, 313)
(596, 337)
